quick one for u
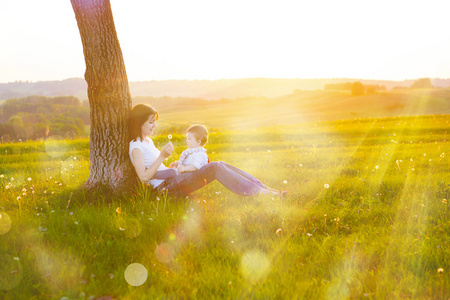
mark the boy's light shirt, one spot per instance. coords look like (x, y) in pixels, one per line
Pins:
(195, 156)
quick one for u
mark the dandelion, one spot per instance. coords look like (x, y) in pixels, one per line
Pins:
(16, 258)
(444, 201)
(285, 181)
(278, 232)
(441, 156)
(300, 165)
(29, 179)
(24, 194)
(19, 198)
(377, 167)
(309, 234)
(326, 185)
(169, 137)
(269, 151)
(2, 176)
(45, 192)
(441, 271)
(12, 179)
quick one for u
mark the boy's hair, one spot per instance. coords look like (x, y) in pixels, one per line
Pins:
(200, 132)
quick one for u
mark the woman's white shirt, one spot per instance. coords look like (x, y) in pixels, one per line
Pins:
(150, 154)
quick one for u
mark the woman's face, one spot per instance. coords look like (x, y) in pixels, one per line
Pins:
(149, 126)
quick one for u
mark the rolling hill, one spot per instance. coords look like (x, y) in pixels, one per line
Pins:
(204, 89)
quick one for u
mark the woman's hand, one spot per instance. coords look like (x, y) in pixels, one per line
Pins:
(167, 150)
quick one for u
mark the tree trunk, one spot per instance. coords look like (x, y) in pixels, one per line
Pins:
(109, 96)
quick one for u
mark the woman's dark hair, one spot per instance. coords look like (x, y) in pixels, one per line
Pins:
(139, 115)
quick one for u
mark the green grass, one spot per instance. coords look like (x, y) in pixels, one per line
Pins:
(364, 218)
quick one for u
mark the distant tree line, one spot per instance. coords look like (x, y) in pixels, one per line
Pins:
(37, 117)
(356, 88)
(422, 83)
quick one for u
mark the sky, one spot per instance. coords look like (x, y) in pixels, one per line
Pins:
(211, 39)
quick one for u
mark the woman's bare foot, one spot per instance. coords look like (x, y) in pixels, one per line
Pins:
(267, 192)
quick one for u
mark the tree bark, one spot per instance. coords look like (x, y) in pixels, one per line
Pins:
(109, 96)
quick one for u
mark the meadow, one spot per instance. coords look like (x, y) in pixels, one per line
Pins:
(366, 216)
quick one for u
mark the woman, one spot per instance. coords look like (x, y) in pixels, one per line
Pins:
(147, 160)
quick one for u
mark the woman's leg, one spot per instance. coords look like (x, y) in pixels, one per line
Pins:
(246, 175)
(232, 180)
(165, 174)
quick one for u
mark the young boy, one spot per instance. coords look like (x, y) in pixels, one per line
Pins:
(195, 156)
(192, 158)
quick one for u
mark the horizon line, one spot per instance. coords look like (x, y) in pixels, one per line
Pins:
(240, 78)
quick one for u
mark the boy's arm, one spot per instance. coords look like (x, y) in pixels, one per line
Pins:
(173, 164)
(189, 168)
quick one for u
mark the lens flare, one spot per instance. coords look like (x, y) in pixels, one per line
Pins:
(16, 151)
(255, 265)
(55, 146)
(135, 274)
(11, 272)
(5, 223)
(131, 227)
(165, 253)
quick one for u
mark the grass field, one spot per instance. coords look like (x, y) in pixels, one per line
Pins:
(366, 216)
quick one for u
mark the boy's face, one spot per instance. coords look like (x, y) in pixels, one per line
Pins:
(192, 141)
